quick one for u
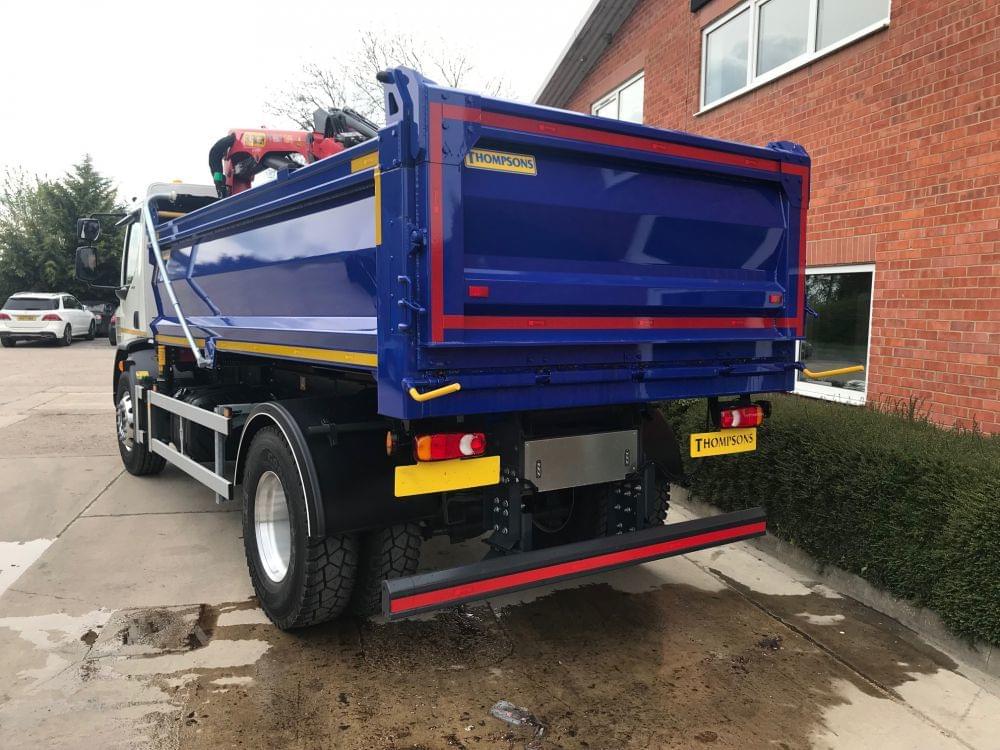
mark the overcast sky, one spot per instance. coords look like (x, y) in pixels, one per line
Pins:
(146, 88)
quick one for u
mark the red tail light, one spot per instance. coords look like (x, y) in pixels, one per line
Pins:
(450, 445)
(741, 416)
(4, 316)
(51, 316)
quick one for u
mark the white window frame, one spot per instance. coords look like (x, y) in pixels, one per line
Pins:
(616, 92)
(842, 395)
(810, 55)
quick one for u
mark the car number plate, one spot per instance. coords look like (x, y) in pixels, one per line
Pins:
(724, 441)
(25, 317)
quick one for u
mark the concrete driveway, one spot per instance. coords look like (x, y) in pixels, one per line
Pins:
(127, 620)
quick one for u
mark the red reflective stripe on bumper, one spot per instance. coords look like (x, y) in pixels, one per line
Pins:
(586, 565)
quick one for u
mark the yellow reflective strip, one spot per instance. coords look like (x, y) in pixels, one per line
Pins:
(300, 352)
(162, 338)
(132, 332)
(364, 162)
(378, 207)
(442, 476)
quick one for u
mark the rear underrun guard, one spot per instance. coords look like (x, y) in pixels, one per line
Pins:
(424, 592)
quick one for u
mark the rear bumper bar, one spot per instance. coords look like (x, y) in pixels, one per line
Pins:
(424, 592)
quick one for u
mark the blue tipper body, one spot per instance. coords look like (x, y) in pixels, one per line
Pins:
(539, 258)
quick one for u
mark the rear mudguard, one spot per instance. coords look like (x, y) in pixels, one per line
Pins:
(348, 478)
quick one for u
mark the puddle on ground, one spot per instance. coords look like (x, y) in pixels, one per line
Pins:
(679, 667)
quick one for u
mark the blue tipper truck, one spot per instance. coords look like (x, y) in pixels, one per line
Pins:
(460, 327)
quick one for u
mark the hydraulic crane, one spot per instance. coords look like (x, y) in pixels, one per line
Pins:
(242, 154)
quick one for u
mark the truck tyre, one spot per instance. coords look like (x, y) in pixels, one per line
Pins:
(392, 552)
(299, 581)
(136, 458)
(92, 331)
(67, 336)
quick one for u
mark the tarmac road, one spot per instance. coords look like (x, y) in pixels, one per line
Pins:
(126, 620)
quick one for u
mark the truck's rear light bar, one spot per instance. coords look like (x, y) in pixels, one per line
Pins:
(402, 597)
(447, 445)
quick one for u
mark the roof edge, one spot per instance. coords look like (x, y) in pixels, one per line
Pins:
(593, 35)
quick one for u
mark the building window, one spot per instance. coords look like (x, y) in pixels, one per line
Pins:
(760, 40)
(624, 103)
(839, 337)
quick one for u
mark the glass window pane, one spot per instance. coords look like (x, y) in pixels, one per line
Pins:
(781, 36)
(608, 109)
(726, 57)
(133, 251)
(839, 336)
(630, 102)
(838, 19)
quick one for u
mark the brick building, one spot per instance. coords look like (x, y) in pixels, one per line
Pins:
(898, 103)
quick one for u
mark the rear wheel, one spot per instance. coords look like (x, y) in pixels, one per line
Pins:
(92, 331)
(393, 552)
(137, 459)
(67, 336)
(299, 581)
(7, 341)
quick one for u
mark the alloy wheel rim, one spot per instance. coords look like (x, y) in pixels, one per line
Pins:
(125, 420)
(272, 526)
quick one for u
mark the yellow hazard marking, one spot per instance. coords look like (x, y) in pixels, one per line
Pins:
(364, 162)
(132, 332)
(724, 441)
(299, 352)
(162, 338)
(378, 207)
(501, 161)
(443, 476)
(292, 352)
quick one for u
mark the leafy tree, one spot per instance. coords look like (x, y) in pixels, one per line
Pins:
(38, 230)
(350, 82)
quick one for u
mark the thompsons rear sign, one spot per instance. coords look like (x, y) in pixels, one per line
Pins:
(723, 441)
(501, 161)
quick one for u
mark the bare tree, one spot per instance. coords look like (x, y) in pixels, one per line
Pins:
(351, 81)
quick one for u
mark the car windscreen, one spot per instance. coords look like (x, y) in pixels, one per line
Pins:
(31, 303)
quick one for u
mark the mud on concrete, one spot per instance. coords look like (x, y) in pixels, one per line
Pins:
(598, 668)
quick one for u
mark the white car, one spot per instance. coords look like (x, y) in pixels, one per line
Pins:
(45, 315)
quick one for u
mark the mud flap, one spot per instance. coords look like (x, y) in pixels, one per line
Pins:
(501, 575)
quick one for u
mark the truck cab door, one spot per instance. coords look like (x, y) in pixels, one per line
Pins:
(133, 322)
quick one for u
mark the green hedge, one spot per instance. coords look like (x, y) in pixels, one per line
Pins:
(912, 508)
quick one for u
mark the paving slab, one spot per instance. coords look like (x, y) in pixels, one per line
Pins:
(172, 491)
(68, 435)
(144, 561)
(41, 496)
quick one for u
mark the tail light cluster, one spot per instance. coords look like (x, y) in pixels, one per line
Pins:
(51, 316)
(741, 416)
(447, 445)
(4, 316)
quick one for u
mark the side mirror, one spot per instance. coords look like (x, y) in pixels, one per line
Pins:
(88, 230)
(86, 263)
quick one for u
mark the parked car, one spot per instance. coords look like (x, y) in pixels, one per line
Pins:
(102, 315)
(113, 328)
(51, 316)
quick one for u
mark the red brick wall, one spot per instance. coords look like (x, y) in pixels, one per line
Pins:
(904, 131)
